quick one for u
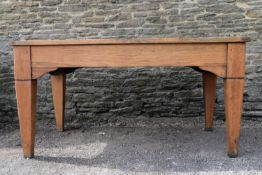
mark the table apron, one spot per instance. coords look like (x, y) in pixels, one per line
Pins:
(141, 55)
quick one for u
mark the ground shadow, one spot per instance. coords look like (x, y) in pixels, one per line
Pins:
(166, 150)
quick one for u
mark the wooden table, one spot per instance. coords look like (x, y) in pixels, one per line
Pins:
(222, 57)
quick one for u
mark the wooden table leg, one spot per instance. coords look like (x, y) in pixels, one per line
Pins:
(209, 85)
(234, 89)
(26, 103)
(58, 89)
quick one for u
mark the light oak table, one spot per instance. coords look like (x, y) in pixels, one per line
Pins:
(222, 57)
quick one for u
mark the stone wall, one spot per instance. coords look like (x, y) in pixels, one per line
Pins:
(105, 94)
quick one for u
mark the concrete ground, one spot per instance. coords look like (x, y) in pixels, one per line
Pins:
(133, 146)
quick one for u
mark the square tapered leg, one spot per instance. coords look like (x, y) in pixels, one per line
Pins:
(58, 90)
(233, 108)
(209, 84)
(26, 104)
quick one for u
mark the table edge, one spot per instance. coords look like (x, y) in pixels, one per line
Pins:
(130, 41)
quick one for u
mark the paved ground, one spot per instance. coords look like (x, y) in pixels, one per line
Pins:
(135, 146)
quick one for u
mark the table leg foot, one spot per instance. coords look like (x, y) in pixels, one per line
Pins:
(209, 85)
(58, 89)
(230, 155)
(234, 89)
(208, 129)
(26, 104)
(29, 156)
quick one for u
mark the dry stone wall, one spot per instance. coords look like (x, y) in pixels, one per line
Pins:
(106, 94)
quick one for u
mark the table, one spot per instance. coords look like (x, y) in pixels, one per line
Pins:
(214, 57)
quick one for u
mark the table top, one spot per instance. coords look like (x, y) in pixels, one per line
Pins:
(130, 41)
